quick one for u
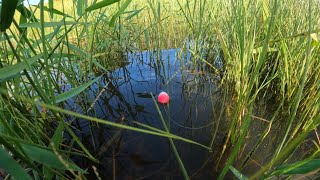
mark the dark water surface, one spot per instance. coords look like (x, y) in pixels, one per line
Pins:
(197, 111)
(126, 98)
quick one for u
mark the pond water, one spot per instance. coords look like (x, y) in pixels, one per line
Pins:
(195, 111)
(126, 98)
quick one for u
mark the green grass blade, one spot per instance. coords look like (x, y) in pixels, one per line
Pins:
(302, 83)
(53, 10)
(74, 91)
(301, 167)
(101, 4)
(49, 158)
(8, 7)
(238, 145)
(176, 153)
(117, 125)
(50, 8)
(134, 14)
(238, 174)
(56, 140)
(79, 7)
(121, 10)
(26, 13)
(76, 49)
(12, 70)
(95, 62)
(58, 135)
(11, 166)
(20, 141)
(77, 140)
(48, 24)
(23, 31)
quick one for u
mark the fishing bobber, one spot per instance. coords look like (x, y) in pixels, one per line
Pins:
(163, 98)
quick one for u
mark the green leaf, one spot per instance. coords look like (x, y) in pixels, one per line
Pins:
(78, 141)
(238, 174)
(121, 10)
(75, 49)
(49, 158)
(10, 71)
(26, 13)
(47, 172)
(81, 5)
(50, 36)
(23, 31)
(134, 14)
(56, 140)
(50, 8)
(69, 94)
(48, 24)
(101, 4)
(53, 10)
(58, 135)
(301, 167)
(11, 166)
(8, 7)
(95, 62)
(117, 125)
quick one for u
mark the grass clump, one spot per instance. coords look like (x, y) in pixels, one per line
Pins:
(263, 51)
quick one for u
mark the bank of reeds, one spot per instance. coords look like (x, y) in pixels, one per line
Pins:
(269, 51)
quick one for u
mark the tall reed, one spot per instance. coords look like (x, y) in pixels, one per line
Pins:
(261, 51)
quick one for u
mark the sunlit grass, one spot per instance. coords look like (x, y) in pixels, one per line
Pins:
(269, 51)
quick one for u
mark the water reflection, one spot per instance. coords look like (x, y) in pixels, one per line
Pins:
(124, 96)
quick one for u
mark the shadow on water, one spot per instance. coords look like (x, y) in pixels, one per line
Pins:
(197, 111)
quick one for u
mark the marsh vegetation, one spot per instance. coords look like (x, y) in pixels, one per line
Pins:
(79, 81)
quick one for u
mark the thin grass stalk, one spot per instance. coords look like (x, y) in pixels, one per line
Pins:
(34, 84)
(297, 99)
(45, 53)
(176, 153)
(245, 93)
(242, 134)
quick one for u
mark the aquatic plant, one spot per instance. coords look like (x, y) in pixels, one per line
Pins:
(262, 52)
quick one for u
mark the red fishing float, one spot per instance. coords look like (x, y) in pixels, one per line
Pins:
(163, 98)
